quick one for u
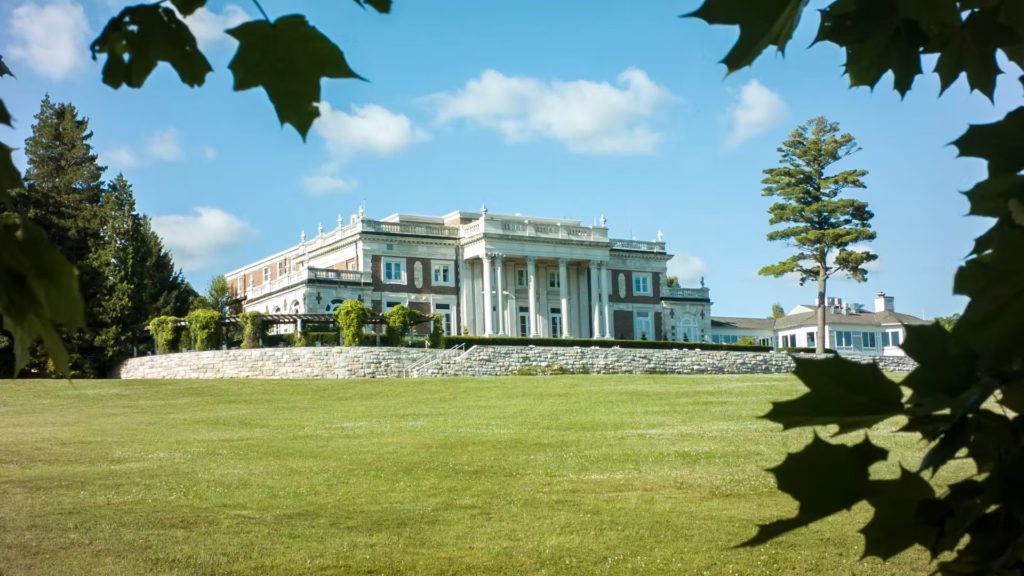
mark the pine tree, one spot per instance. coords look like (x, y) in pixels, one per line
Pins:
(820, 225)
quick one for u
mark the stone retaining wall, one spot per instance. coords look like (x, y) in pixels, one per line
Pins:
(364, 362)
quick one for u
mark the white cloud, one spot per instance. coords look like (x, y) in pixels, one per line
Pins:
(588, 117)
(757, 110)
(210, 153)
(196, 240)
(121, 157)
(165, 145)
(324, 184)
(208, 27)
(688, 268)
(370, 129)
(52, 37)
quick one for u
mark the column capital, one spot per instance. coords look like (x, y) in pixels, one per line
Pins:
(531, 259)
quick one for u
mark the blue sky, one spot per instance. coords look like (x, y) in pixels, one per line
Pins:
(570, 109)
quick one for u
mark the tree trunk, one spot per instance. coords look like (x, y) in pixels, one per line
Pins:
(819, 342)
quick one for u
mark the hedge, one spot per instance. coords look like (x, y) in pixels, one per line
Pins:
(452, 341)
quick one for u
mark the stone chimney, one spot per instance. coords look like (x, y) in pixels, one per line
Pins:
(884, 303)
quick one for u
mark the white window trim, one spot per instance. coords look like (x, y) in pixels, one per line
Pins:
(642, 276)
(383, 271)
(451, 272)
(266, 273)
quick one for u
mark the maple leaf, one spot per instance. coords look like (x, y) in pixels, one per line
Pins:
(142, 36)
(762, 24)
(287, 58)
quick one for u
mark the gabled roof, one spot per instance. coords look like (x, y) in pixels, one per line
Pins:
(864, 318)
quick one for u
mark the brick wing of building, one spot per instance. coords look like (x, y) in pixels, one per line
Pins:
(486, 274)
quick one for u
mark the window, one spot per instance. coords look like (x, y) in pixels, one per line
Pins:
(868, 339)
(266, 273)
(554, 281)
(810, 339)
(282, 268)
(352, 265)
(641, 283)
(522, 280)
(241, 284)
(394, 271)
(891, 338)
(556, 323)
(252, 281)
(443, 275)
(843, 339)
(728, 338)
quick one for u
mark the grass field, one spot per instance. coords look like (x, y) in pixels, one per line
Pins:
(541, 475)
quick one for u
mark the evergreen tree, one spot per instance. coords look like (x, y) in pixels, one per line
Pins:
(62, 194)
(819, 224)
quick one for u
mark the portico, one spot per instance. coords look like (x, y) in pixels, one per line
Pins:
(533, 296)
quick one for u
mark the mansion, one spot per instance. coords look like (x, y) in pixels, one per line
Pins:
(486, 275)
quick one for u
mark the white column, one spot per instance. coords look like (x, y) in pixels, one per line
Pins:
(563, 294)
(595, 301)
(465, 284)
(499, 274)
(488, 312)
(606, 287)
(531, 273)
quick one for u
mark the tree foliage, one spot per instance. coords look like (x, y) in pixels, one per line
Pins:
(819, 224)
(398, 323)
(351, 317)
(123, 272)
(967, 393)
(254, 328)
(204, 329)
(777, 311)
(165, 331)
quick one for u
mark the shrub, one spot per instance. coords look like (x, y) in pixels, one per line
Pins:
(164, 331)
(351, 317)
(436, 338)
(324, 338)
(253, 329)
(746, 341)
(398, 322)
(204, 328)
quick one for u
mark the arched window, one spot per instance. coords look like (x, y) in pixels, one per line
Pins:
(334, 305)
(295, 307)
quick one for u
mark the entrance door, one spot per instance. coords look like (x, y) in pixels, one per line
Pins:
(686, 328)
(642, 325)
(524, 322)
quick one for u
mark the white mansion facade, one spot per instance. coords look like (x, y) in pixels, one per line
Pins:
(487, 274)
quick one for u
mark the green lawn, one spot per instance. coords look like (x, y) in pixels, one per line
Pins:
(528, 475)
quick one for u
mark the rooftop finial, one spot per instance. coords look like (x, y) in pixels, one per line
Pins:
(339, 221)
(302, 237)
(604, 221)
(483, 209)
(320, 229)
(362, 210)
(661, 236)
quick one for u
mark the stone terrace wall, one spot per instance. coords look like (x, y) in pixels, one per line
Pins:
(341, 362)
(311, 362)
